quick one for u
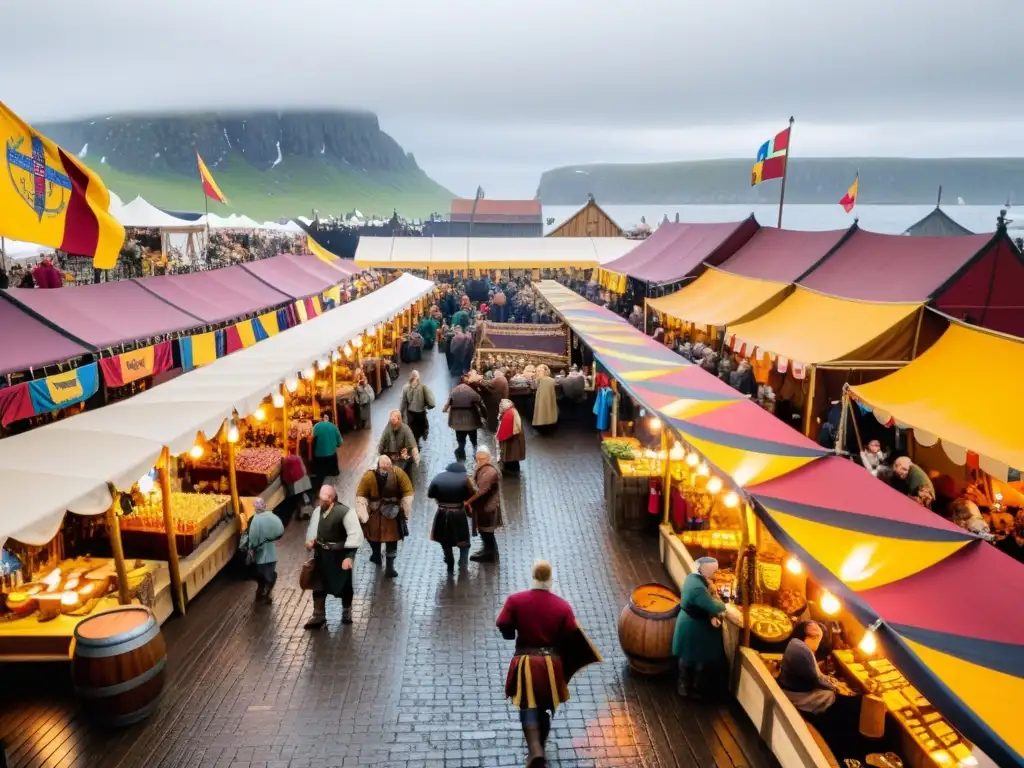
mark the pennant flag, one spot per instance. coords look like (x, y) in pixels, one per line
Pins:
(850, 198)
(198, 350)
(209, 185)
(771, 159)
(48, 197)
(64, 389)
(130, 366)
(269, 323)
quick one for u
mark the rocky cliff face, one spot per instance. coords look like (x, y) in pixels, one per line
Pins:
(162, 144)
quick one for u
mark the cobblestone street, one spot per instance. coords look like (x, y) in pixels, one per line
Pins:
(417, 680)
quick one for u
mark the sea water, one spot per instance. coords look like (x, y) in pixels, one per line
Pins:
(887, 219)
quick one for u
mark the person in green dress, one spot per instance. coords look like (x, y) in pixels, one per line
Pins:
(428, 330)
(697, 641)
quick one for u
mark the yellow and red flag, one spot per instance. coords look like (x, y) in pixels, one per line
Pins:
(50, 198)
(209, 185)
(850, 198)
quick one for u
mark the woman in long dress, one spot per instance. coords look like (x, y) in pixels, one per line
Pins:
(545, 404)
(511, 438)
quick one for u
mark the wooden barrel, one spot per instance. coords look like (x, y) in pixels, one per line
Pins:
(118, 665)
(646, 626)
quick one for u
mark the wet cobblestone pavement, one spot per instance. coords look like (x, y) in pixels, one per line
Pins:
(416, 681)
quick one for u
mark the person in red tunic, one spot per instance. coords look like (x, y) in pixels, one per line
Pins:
(550, 649)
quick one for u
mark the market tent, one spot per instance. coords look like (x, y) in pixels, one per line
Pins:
(106, 314)
(497, 253)
(972, 277)
(31, 343)
(718, 298)
(17, 250)
(734, 434)
(783, 255)
(682, 251)
(810, 327)
(937, 223)
(65, 466)
(345, 265)
(143, 215)
(292, 277)
(216, 295)
(890, 559)
(972, 408)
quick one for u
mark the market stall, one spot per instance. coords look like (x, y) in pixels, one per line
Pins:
(216, 295)
(91, 463)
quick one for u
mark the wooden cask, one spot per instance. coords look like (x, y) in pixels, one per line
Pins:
(118, 665)
(646, 627)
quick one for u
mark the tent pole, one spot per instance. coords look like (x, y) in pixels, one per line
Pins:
(645, 316)
(311, 383)
(841, 432)
(809, 405)
(116, 547)
(172, 532)
(334, 390)
(284, 422)
(785, 171)
(666, 486)
(917, 333)
(856, 426)
(615, 408)
(236, 505)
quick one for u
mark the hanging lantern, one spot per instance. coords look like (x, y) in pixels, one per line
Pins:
(692, 459)
(794, 566)
(731, 499)
(655, 424)
(322, 363)
(259, 414)
(829, 604)
(145, 483)
(277, 399)
(348, 351)
(291, 383)
(714, 485)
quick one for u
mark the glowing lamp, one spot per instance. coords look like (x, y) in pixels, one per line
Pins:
(309, 373)
(233, 433)
(793, 566)
(259, 414)
(196, 452)
(731, 499)
(829, 604)
(677, 453)
(655, 423)
(291, 383)
(692, 459)
(277, 399)
(347, 351)
(357, 342)
(146, 483)
(999, 497)
(322, 363)
(335, 356)
(868, 643)
(703, 470)
(714, 485)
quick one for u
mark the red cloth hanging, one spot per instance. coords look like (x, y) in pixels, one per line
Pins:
(654, 497)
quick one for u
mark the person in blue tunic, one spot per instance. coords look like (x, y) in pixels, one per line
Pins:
(257, 542)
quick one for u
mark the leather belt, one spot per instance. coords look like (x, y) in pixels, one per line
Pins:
(536, 652)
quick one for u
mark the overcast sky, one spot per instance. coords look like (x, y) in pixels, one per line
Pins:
(495, 91)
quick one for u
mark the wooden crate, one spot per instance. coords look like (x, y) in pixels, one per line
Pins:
(626, 499)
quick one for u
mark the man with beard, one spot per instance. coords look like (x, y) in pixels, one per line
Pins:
(398, 443)
(417, 399)
(465, 410)
(333, 537)
(384, 503)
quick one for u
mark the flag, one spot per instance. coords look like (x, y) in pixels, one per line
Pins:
(850, 198)
(771, 159)
(48, 197)
(209, 185)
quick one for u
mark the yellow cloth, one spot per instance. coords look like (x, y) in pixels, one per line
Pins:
(964, 390)
(269, 323)
(245, 333)
(48, 197)
(719, 298)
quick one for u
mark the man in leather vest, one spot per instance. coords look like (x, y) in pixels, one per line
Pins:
(333, 536)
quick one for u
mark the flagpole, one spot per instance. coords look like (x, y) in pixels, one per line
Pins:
(785, 170)
(206, 204)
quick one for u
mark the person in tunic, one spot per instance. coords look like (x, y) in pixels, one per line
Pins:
(398, 443)
(364, 398)
(451, 490)
(485, 506)
(550, 649)
(333, 536)
(799, 676)
(461, 348)
(497, 390)
(417, 399)
(326, 442)
(545, 404)
(258, 542)
(464, 408)
(384, 495)
(428, 329)
(511, 438)
(697, 640)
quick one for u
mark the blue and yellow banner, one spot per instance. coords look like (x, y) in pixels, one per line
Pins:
(198, 350)
(268, 323)
(64, 389)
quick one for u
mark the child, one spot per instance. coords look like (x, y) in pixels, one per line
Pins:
(261, 552)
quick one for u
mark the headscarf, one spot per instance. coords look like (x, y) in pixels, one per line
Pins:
(517, 423)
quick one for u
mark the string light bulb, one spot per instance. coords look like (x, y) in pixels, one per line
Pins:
(714, 485)
(146, 483)
(322, 363)
(197, 451)
(277, 399)
(692, 459)
(868, 643)
(794, 566)
(308, 374)
(233, 431)
(357, 342)
(677, 453)
(731, 499)
(655, 423)
(348, 351)
(829, 604)
(259, 414)
(335, 356)
(291, 383)
(703, 470)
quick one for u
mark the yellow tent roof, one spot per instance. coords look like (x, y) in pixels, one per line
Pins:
(811, 328)
(721, 298)
(965, 390)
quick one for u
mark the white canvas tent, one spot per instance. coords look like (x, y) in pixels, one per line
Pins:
(144, 215)
(65, 466)
(489, 252)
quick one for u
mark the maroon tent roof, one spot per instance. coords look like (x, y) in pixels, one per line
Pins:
(782, 254)
(874, 267)
(106, 314)
(683, 250)
(296, 276)
(215, 295)
(29, 342)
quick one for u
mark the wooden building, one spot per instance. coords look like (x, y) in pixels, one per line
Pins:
(588, 221)
(491, 218)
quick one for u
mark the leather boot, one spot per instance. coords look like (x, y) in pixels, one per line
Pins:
(319, 617)
(684, 684)
(261, 590)
(375, 557)
(346, 614)
(390, 571)
(267, 599)
(535, 744)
